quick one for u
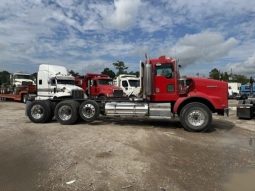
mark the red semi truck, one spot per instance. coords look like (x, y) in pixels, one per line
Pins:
(164, 95)
(98, 86)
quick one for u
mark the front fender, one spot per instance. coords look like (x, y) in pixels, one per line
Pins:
(194, 96)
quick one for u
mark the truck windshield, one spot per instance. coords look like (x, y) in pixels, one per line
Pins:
(22, 77)
(134, 83)
(105, 82)
(71, 82)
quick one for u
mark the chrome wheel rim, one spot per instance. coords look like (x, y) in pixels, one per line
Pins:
(196, 118)
(65, 112)
(37, 111)
(88, 110)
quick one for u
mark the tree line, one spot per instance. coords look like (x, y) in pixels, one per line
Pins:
(228, 77)
(120, 68)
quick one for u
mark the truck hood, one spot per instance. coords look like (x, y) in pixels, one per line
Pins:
(214, 89)
(68, 87)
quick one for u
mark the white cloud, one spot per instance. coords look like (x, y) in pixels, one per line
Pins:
(124, 14)
(246, 67)
(204, 47)
(98, 32)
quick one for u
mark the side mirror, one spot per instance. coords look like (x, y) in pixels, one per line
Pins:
(55, 90)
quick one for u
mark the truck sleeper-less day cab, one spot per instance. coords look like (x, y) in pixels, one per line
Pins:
(130, 84)
(98, 86)
(164, 95)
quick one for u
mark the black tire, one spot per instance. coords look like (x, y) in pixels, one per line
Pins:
(196, 117)
(89, 110)
(66, 112)
(39, 111)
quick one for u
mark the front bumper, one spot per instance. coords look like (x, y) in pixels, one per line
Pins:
(223, 112)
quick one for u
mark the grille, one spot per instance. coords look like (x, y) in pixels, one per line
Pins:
(118, 93)
(77, 94)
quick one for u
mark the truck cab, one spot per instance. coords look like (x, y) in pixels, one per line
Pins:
(130, 84)
(19, 79)
(247, 90)
(98, 86)
(54, 82)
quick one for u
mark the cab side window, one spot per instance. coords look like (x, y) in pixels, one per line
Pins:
(165, 70)
(53, 82)
(124, 84)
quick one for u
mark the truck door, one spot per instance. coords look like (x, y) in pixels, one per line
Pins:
(164, 82)
(93, 88)
(125, 86)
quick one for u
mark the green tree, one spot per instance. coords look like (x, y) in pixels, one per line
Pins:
(4, 77)
(224, 76)
(73, 73)
(214, 74)
(120, 67)
(108, 72)
(240, 79)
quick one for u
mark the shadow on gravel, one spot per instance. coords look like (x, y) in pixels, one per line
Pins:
(147, 123)
(222, 125)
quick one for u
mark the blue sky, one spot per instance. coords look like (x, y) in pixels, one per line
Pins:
(89, 35)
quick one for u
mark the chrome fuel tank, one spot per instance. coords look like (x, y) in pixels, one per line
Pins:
(126, 108)
(152, 110)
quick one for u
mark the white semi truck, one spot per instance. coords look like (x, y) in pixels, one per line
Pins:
(18, 79)
(130, 84)
(55, 82)
(233, 89)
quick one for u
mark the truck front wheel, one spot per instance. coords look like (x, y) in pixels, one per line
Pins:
(89, 110)
(39, 111)
(196, 117)
(66, 112)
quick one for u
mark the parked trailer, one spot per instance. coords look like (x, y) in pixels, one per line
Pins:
(164, 95)
(20, 94)
(20, 88)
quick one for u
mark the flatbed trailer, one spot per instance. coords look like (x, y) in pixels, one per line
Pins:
(21, 94)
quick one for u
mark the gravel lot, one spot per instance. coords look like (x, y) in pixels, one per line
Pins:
(124, 154)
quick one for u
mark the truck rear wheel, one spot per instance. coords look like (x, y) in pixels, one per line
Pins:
(66, 112)
(39, 111)
(89, 110)
(196, 117)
